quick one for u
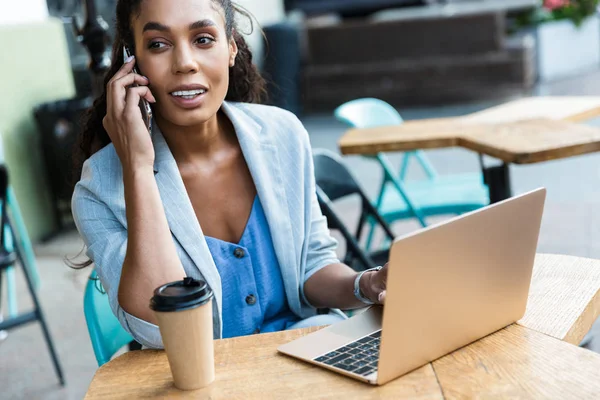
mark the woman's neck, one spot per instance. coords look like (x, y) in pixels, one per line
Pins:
(198, 143)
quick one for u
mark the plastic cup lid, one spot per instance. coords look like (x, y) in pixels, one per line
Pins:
(181, 295)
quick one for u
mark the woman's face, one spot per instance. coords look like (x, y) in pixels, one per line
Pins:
(183, 50)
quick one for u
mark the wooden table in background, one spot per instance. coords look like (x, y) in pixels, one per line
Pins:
(524, 131)
(567, 108)
(535, 358)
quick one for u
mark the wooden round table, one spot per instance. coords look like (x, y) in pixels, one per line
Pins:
(537, 357)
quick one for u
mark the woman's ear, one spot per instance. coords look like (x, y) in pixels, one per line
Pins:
(233, 50)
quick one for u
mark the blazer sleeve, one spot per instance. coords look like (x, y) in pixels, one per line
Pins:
(321, 245)
(106, 241)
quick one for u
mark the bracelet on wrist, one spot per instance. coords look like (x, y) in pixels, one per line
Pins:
(357, 292)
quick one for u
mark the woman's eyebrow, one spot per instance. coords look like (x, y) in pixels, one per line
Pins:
(205, 23)
(157, 26)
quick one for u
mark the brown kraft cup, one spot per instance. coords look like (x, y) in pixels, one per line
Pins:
(184, 313)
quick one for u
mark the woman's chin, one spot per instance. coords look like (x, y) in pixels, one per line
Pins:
(190, 117)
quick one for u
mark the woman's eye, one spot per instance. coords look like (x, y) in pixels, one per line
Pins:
(204, 40)
(156, 45)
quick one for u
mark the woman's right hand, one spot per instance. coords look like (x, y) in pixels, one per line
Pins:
(123, 121)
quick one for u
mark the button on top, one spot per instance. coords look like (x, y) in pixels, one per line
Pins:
(251, 300)
(239, 253)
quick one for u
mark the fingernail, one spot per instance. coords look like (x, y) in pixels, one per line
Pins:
(129, 59)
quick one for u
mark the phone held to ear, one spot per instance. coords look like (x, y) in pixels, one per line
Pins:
(144, 105)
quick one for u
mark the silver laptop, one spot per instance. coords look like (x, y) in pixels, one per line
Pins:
(448, 285)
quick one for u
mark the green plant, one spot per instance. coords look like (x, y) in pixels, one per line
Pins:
(555, 10)
(574, 10)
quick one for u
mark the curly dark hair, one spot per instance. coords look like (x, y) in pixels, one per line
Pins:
(245, 82)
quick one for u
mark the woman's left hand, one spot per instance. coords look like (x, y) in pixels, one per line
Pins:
(373, 285)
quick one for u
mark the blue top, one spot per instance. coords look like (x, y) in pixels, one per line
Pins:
(254, 299)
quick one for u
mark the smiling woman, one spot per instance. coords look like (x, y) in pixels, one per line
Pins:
(223, 190)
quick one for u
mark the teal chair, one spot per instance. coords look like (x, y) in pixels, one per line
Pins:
(400, 198)
(106, 333)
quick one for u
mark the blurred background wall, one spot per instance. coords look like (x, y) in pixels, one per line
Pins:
(35, 68)
(266, 12)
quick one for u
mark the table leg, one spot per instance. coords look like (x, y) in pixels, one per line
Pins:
(498, 180)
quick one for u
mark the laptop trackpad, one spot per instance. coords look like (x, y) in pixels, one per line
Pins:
(334, 336)
(359, 325)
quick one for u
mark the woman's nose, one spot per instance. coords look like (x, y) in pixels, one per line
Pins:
(184, 62)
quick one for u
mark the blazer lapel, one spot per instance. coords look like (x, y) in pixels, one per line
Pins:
(181, 216)
(262, 159)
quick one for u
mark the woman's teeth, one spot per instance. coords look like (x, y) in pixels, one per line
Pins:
(188, 94)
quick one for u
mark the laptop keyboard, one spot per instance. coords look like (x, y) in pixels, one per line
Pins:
(359, 357)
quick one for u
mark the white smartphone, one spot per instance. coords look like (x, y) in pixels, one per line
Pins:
(144, 105)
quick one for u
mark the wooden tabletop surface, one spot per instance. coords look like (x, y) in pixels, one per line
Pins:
(524, 131)
(564, 297)
(527, 359)
(566, 108)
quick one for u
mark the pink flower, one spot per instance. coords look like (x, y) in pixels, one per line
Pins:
(554, 4)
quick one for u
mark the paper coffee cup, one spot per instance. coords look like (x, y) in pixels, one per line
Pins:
(184, 313)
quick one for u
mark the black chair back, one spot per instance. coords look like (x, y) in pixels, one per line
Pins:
(333, 177)
(334, 181)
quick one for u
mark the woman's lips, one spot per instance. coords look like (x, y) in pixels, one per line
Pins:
(188, 103)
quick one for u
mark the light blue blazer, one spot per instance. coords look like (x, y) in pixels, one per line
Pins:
(278, 153)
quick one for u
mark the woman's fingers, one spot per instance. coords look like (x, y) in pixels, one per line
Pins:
(380, 277)
(120, 86)
(124, 78)
(134, 95)
(384, 271)
(131, 79)
(141, 92)
(113, 83)
(381, 283)
(125, 69)
(149, 96)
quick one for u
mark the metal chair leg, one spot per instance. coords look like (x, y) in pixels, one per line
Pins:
(11, 292)
(498, 180)
(3, 334)
(20, 236)
(11, 285)
(39, 313)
